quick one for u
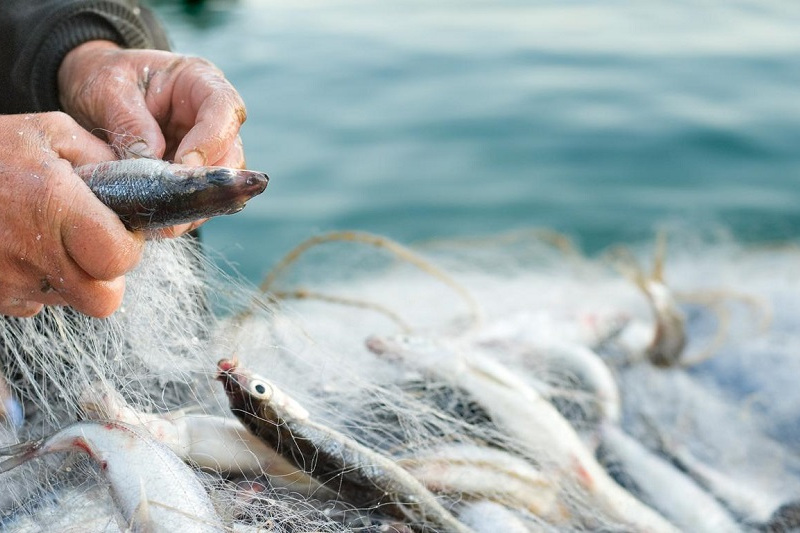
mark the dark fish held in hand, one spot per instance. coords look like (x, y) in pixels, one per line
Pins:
(150, 194)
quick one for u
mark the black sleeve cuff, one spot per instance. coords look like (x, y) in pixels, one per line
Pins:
(36, 73)
(65, 37)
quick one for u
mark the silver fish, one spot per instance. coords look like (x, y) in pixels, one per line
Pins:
(154, 490)
(212, 443)
(150, 194)
(675, 494)
(526, 417)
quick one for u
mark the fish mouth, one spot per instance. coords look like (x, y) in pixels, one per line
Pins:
(254, 182)
(385, 348)
(376, 345)
(226, 366)
(247, 184)
(232, 379)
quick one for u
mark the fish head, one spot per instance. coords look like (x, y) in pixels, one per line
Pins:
(401, 347)
(217, 191)
(253, 395)
(254, 182)
(237, 383)
(238, 186)
(416, 353)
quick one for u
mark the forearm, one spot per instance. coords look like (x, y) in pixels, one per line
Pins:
(35, 35)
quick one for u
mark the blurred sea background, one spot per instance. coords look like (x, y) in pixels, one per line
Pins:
(418, 119)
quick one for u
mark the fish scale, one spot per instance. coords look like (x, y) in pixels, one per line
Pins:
(149, 194)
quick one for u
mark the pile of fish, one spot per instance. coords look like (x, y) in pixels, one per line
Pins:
(508, 384)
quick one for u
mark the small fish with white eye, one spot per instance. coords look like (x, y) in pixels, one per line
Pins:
(212, 443)
(361, 476)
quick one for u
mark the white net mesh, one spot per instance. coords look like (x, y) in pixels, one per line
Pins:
(511, 380)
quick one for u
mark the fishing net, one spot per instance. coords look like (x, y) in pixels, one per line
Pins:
(508, 374)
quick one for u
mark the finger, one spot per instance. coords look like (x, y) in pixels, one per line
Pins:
(103, 87)
(234, 157)
(21, 284)
(177, 231)
(73, 143)
(45, 293)
(93, 235)
(74, 287)
(19, 307)
(220, 115)
(92, 297)
(53, 299)
(27, 279)
(90, 252)
(50, 297)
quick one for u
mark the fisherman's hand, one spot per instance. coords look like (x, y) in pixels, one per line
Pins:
(154, 103)
(59, 245)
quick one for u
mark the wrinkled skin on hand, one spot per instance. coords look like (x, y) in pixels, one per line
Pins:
(59, 245)
(156, 104)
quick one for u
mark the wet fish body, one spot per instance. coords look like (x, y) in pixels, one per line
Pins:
(154, 490)
(480, 473)
(209, 442)
(150, 194)
(746, 499)
(488, 517)
(362, 477)
(526, 417)
(677, 496)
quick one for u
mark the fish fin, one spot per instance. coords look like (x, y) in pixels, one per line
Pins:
(20, 448)
(141, 521)
(659, 257)
(17, 459)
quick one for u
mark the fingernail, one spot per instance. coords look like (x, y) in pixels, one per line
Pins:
(139, 149)
(195, 158)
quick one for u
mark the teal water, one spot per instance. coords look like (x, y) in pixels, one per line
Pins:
(419, 119)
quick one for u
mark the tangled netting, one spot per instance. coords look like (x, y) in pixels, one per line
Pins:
(522, 385)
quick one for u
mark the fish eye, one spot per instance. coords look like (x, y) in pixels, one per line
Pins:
(259, 388)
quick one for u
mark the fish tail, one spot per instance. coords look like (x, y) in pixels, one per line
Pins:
(18, 454)
(660, 257)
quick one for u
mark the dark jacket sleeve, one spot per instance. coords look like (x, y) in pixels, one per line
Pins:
(35, 35)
